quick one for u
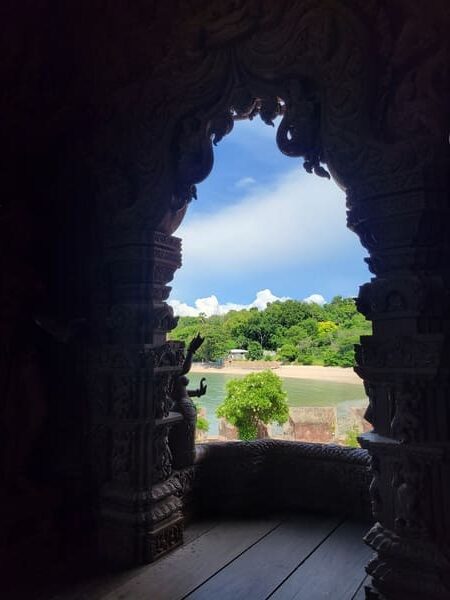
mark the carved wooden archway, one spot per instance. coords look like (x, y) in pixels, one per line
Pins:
(362, 96)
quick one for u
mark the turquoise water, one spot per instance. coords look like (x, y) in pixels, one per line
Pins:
(300, 392)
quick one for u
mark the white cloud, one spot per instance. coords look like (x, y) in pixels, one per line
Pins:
(300, 219)
(315, 299)
(181, 309)
(245, 182)
(265, 297)
(211, 305)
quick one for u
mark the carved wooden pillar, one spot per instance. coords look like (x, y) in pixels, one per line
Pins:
(131, 371)
(405, 365)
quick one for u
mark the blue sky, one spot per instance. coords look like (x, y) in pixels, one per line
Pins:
(262, 223)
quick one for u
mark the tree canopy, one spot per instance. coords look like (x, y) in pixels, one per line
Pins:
(255, 399)
(297, 331)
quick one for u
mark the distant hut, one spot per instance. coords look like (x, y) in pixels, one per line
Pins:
(237, 354)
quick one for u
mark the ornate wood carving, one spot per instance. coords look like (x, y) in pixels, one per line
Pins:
(344, 83)
(182, 436)
(132, 369)
(363, 90)
(357, 101)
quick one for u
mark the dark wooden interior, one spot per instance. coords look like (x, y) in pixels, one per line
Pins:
(277, 556)
(110, 113)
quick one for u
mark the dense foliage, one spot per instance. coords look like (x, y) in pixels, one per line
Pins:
(295, 331)
(255, 399)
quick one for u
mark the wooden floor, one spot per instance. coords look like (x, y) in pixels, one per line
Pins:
(305, 557)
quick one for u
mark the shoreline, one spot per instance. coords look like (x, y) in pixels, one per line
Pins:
(335, 374)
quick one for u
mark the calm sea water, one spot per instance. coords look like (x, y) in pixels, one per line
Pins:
(300, 392)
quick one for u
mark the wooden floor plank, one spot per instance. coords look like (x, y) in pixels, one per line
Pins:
(361, 593)
(259, 570)
(197, 529)
(175, 576)
(334, 571)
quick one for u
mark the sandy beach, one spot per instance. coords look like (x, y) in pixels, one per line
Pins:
(336, 374)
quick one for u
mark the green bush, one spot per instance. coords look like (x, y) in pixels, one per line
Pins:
(306, 359)
(255, 399)
(202, 424)
(288, 353)
(331, 358)
(351, 438)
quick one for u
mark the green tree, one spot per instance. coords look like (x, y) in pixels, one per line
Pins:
(311, 327)
(326, 331)
(292, 312)
(341, 311)
(217, 343)
(255, 399)
(259, 328)
(255, 351)
(296, 334)
(235, 325)
(187, 329)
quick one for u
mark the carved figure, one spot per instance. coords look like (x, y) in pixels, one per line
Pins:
(182, 435)
(406, 421)
(408, 483)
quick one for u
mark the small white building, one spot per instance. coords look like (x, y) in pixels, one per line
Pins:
(237, 354)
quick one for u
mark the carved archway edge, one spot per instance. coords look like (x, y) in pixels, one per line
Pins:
(346, 105)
